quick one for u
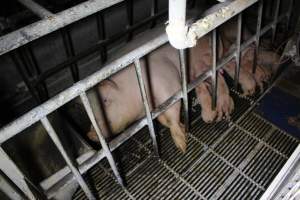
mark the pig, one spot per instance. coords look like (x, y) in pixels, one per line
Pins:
(200, 58)
(121, 99)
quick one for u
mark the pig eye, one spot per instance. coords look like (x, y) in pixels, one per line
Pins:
(106, 101)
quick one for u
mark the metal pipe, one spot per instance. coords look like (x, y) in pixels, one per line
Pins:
(145, 100)
(36, 8)
(289, 14)
(51, 132)
(274, 28)
(103, 143)
(238, 51)
(284, 172)
(184, 82)
(258, 30)
(214, 69)
(181, 36)
(67, 95)
(43, 27)
(11, 170)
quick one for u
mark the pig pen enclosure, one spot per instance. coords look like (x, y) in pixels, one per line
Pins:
(53, 54)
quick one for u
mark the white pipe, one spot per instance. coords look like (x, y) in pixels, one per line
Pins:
(177, 29)
(181, 36)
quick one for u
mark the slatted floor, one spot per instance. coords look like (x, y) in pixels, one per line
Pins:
(234, 159)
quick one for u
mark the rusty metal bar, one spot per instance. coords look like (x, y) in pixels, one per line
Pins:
(10, 169)
(238, 51)
(36, 8)
(145, 100)
(184, 83)
(107, 152)
(214, 69)
(55, 139)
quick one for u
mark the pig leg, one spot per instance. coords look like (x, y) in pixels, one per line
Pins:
(246, 79)
(171, 119)
(204, 98)
(225, 103)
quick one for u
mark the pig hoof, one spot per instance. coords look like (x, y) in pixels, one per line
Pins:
(179, 137)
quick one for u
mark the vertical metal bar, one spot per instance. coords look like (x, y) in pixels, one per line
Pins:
(129, 8)
(289, 14)
(153, 12)
(17, 62)
(258, 30)
(238, 51)
(183, 69)
(214, 69)
(9, 168)
(70, 52)
(42, 87)
(69, 162)
(142, 86)
(102, 35)
(274, 27)
(112, 163)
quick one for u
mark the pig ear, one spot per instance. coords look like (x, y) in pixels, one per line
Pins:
(109, 83)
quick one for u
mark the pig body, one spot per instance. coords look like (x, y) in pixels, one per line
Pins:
(200, 61)
(121, 99)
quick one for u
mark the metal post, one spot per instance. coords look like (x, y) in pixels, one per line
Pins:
(9, 168)
(102, 35)
(138, 70)
(238, 51)
(289, 14)
(258, 33)
(69, 162)
(107, 152)
(129, 9)
(183, 69)
(274, 27)
(214, 70)
(36, 8)
(153, 12)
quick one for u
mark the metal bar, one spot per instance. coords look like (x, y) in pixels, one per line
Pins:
(214, 69)
(55, 139)
(36, 8)
(11, 170)
(284, 172)
(94, 48)
(107, 152)
(28, 83)
(238, 51)
(258, 32)
(274, 28)
(184, 82)
(289, 14)
(67, 40)
(145, 99)
(43, 27)
(153, 12)
(102, 35)
(129, 9)
(67, 95)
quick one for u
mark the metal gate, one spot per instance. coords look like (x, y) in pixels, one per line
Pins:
(51, 22)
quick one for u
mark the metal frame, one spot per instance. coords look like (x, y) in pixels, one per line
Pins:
(40, 113)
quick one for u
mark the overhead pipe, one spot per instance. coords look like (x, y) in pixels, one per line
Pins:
(182, 36)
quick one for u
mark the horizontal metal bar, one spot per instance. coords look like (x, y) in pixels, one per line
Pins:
(57, 101)
(38, 113)
(43, 27)
(100, 45)
(36, 9)
(51, 132)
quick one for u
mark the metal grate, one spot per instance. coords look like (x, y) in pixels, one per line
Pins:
(226, 160)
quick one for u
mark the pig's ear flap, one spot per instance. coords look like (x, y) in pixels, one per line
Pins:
(109, 83)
